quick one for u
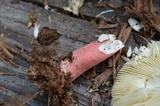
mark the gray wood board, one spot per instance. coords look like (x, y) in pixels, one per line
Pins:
(13, 21)
(89, 9)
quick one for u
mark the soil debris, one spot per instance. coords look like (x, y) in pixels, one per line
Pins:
(49, 78)
(47, 36)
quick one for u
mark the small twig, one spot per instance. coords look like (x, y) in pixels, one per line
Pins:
(104, 12)
(113, 67)
(144, 39)
(107, 26)
(7, 74)
(81, 14)
(76, 37)
(118, 63)
(34, 96)
(91, 101)
(17, 51)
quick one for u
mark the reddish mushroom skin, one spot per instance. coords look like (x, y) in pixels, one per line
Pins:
(85, 58)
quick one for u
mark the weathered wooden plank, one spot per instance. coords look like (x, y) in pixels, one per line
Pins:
(69, 29)
(22, 86)
(17, 84)
(12, 98)
(65, 25)
(13, 21)
(89, 9)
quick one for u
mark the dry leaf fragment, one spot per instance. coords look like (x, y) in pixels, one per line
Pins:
(74, 6)
(104, 25)
(101, 5)
(114, 5)
(32, 19)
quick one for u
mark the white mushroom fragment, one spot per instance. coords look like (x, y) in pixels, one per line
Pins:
(134, 24)
(111, 46)
(36, 30)
(103, 37)
(129, 52)
(138, 82)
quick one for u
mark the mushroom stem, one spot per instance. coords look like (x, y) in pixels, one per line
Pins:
(90, 55)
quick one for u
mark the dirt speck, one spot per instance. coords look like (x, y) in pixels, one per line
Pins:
(49, 78)
(47, 36)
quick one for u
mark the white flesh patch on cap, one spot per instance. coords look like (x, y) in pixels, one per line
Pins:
(111, 46)
(103, 37)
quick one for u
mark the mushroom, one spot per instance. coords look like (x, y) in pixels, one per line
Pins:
(138, 82)
(91, 54)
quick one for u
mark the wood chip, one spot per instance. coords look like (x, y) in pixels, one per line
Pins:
(104, 25)
(11, 49)
(114, 5)
(101, 5)
(122, 33)
(100, 79)
(5, 54)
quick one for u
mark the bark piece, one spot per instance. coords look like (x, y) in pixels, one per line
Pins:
(101, 79)
(16, 51)
(5, 54)
(104, 25)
